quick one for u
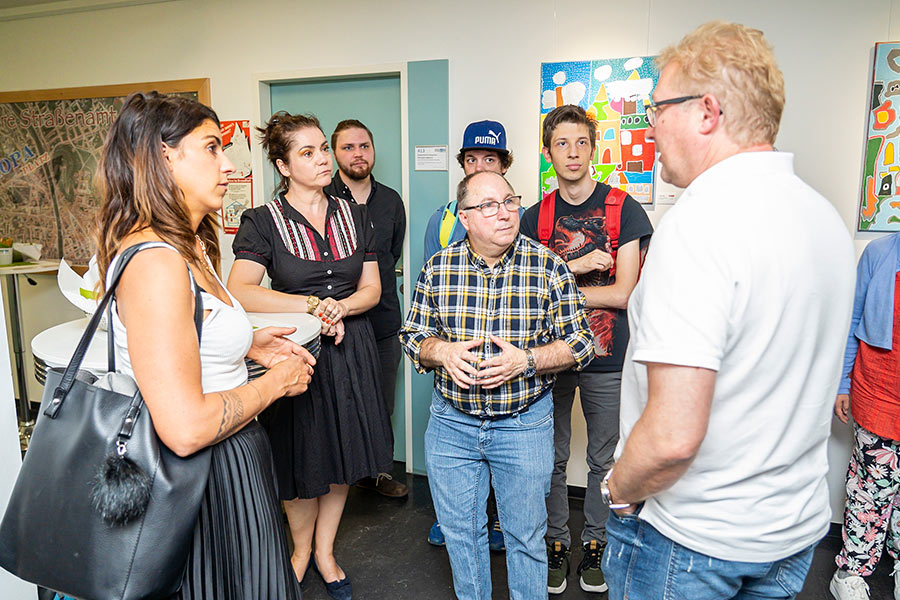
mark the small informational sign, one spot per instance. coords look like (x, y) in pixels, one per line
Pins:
(664, 193)
(665, 198)
(431, 158)
(239, 197)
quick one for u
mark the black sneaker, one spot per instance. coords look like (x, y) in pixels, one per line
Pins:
(589, 569)
(557, 567)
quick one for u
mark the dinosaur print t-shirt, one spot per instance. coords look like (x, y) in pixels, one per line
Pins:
(577, 231)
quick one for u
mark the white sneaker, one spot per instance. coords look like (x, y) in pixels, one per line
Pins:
(852, 587)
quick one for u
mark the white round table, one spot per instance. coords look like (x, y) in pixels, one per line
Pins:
(11, 272)
(54, 347)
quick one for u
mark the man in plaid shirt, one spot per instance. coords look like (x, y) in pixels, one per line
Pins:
(495, 315)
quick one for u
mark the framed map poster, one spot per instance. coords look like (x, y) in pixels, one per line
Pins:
(612, 91)
(879, 204)
(50, 143)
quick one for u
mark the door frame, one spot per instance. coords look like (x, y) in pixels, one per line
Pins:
(263, 186)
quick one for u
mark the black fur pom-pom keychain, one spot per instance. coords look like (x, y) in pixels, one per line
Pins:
(121, 490)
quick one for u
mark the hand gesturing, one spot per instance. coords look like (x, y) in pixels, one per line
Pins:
(459, 362)
(501, 368)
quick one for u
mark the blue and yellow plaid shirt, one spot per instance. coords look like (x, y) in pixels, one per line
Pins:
(529, 298)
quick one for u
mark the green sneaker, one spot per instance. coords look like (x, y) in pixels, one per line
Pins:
(591, 575)
(557, 567)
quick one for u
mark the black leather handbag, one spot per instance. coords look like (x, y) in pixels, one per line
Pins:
(78, 520)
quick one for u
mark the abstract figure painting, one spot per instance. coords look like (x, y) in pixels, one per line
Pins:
(879, 206)
(614, 93)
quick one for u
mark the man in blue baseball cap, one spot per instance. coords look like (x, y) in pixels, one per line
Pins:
(483, 149)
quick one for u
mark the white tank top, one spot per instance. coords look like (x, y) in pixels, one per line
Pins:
(227, 337)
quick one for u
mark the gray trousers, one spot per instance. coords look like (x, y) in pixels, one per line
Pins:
(600, 404)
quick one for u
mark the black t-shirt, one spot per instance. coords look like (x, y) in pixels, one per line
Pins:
(300, 261)
(577, 231)
(389, 218)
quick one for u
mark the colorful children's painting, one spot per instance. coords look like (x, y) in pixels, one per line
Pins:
(614, 92)
(879, 205)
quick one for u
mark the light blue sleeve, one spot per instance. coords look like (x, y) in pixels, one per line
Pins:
(863, 277)
(433, 234)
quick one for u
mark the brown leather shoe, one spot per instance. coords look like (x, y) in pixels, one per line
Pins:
(384, 485)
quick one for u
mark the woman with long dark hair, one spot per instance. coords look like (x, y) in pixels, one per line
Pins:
(319, 252)
(162, 178)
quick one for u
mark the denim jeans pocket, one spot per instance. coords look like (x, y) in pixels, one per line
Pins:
(539, 413)
(792, 571)
(439, 405)
(623, 529)
(631, 516)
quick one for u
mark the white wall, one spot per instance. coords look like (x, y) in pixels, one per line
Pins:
(11, 587)
(495, 49)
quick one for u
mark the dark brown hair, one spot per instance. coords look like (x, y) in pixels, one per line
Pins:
(506, 158)
(349, 124)
(137, 189)
(276, 139)
(568, 113)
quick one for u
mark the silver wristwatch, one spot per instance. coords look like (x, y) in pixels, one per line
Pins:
(530, 370)
(604, 493)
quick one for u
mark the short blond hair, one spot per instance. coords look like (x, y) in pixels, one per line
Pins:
(737, 65)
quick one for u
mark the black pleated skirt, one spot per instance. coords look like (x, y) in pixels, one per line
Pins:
(240, 547)
(338, 431)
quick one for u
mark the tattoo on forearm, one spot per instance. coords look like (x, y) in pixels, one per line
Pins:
(232, 414)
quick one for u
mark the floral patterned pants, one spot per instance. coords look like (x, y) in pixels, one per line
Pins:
(872, 511)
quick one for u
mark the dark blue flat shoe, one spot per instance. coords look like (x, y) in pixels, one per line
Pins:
(338, 590)
(305, 579)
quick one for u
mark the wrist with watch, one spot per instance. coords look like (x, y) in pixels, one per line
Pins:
(312, 303)
(531, 368)
(607, 498)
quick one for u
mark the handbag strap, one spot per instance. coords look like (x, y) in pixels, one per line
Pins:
(120, 267)
(68, 378)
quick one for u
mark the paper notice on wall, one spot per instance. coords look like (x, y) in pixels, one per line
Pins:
(239, 197)
(431, 158)
(665, 193)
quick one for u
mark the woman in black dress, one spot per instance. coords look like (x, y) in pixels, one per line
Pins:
(319, 252)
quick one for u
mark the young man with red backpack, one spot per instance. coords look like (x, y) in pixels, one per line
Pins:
(602, 233)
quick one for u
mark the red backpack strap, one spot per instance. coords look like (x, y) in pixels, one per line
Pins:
(614, 200)
(546, 218)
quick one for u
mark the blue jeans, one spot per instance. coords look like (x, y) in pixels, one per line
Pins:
(641, 564)
(517, 451)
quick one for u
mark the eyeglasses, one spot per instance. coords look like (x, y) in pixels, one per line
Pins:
(489, 209)
(653, 108)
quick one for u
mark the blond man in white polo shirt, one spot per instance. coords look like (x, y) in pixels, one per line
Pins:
(737, 331)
